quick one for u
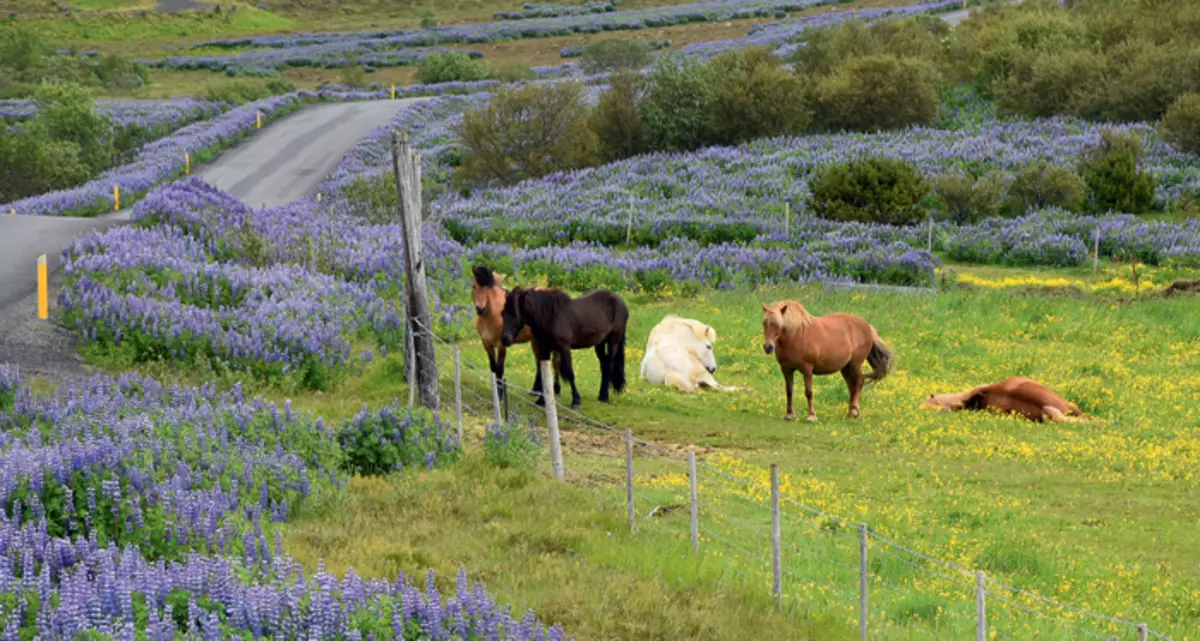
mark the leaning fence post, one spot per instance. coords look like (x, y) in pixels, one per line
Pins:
(776, 564)
(496, 400)
(1143, 632)
(787, 219)
(695, 503)
(458, 395)
(929, 239)
(412, 370)
(862, 581)
(629, 480)
(980, 607)
(556, 462)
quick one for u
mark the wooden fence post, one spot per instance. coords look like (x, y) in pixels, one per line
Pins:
(980, 607)
(629, 226)
(929, 239)
(629, 480)
(1143, 632)
(552, 417)
(1096, 250)
(695, 503)
(496, 401)
(787, 219)
(458, 407)
(406, 165)
(776, 564)
(862, 581)
(411, 355)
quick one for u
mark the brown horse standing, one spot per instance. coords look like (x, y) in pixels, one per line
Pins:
(822, 345)
(560, 324)
(489, 298)
(1016, 395)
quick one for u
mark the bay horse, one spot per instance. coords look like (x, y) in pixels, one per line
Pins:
(1023, 396)
(489, 296)
(823, 345)
(560, 324)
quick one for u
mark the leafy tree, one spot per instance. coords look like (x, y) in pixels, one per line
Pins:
(755, 97)
(67, 113)
(449, 66)
(527, 132)
(617, 120)
(676, 112)
(1043, 185)
(1111, 171)
(613, 54)
(879, 190)
(877, 92)
(964, 199)
(1180, 126)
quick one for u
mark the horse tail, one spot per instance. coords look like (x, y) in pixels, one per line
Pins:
(881, 358)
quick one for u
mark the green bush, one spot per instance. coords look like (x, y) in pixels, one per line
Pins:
(1111, 171)
(527, 132)
(118, 73)
(616, 119)
(353, 74)
(513, 72)
(755, 97)
(1042, 84)
(377, 443)
(1043, 185)
(277, 87)
(31, 165)
(677, 109)
(963, 199)
(26, 62)
(1180, 126)
(238, 92)
(449, 66)
(879, 190)
(615, 53)
(824, 49)
(67, 113)
(429, 19)
(879, 92)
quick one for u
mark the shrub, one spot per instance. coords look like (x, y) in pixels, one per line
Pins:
(66, 113)
(1180, 126)
(277, 87)
(880, 190)
(676, 111)
(514, 72)
(429, 19)
(1046, 83)
(526, 132)
(32, 165)
(878, 92)
(512, 446)
(755, 97)
(353, 73)
(1112, 173)
(963, 199)
(449, 66)
(615, 53)
(1043, 185)
(116, 72)
(238, 92)
(616, 120)
(917, 38)
(375, 443)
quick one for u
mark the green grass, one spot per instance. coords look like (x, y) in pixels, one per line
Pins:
(1099, 516)
(133, 33)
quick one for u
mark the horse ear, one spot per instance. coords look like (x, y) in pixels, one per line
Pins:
(765, 308)
(782, 309)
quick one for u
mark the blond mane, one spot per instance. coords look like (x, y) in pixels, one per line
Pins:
(793, 316)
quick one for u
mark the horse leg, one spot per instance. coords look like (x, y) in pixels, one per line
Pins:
(679, 382)
(568, 372)
(542, 353)
(808, 374)
(604, 359)
(854, 383)
(536, 390)
(789, 380)
(498, 370)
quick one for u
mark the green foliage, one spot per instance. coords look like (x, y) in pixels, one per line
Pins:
(511, 446)
(67, 113)
(278, 87)
(1041, 84)
(963, 199)
(1042, 185)
(876, 92)
(527, 132)
(1112, 173)
(676, 112)
(376, 443)
(116, 72)
(353, 74)
(240, 92)
(880, 190)
(612, 54)
(755, 97)
(1180, 126)
(513, 72)
(616, 120)
(449, 66)
(26, 62)
(429, 18)
(824, 49)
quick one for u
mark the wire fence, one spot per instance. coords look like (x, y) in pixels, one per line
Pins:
(812, 562)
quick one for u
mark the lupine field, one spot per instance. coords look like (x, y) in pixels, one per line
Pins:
(258, 500)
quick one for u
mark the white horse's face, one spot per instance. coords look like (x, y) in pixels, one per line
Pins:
(702, 349)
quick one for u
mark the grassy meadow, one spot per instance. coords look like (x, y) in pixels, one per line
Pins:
(1100, 516)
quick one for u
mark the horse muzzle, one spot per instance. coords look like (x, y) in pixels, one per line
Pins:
(769, 348)
(711, 370)
(506, 340)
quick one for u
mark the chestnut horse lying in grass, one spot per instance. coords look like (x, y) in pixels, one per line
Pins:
(489, 303)
(822, 345)
(560, 324)
(1023, 396)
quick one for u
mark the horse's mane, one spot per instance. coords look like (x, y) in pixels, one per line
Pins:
(540, 306)
(793, 314)
(484, 277)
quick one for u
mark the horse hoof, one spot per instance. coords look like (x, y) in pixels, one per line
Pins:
(575, 404)
(852, 414)
(789, 417)
(811, 419)
(541, 402)
(603, 399)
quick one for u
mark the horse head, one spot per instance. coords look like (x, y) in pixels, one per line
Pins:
(486, 290)
(772, 325)
(512, 316)
(700, 344)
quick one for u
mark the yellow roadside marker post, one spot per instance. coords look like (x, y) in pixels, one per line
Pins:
(116, 198)
(43, 289)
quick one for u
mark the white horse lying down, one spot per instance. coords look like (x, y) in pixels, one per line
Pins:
(679, 353)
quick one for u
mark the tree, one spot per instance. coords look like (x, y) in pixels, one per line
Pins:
(449, 66)
(877, 92)
(755, 97)
(676, 112)
(66, 113)
(878, 190)
(1111, 171)
(1180, 126)
(613, 54)
(527, 132)
(616, 120)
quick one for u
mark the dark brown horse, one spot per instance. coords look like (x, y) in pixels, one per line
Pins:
(560, 324)
(822, 345)
(489, 298)
(1023, 396)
